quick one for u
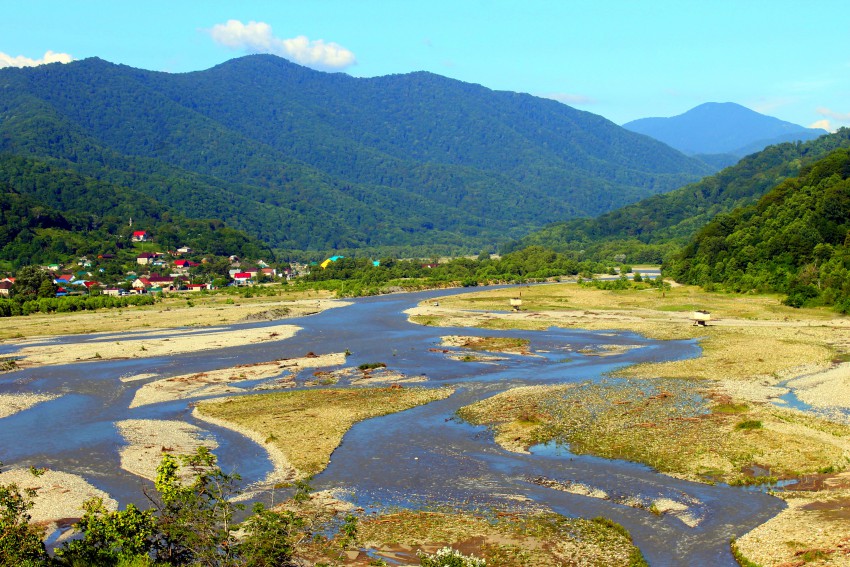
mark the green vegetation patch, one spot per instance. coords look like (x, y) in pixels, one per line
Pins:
(668, 425)
(503, 539)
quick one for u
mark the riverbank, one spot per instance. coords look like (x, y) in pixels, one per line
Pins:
(174, 311)
(715, 417)
(752, 345)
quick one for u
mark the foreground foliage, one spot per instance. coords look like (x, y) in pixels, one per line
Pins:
(190, 522)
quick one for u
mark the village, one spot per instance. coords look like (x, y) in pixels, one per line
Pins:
(180, 270)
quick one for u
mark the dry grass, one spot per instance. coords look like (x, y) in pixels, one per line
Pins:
(307, 425)
(666, 424)
(752, 343)
(502, 539)
(488, 344)
(173, 311)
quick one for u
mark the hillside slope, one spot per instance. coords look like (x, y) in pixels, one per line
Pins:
(650, 229)
(307, 160)
(793, 240)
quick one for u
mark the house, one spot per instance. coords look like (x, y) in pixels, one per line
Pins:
(114, 291)
(146, 258)
(198, 286)
(183, 266)
(269, 272)
(5, 288)
(140, 236)
(184, 250)
(242, 278)
(141, 284)
(166, 283)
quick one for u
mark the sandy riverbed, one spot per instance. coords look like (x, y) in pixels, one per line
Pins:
(59, 495)
(150, 344)
(226, 380)
(11, 404)
(148, 440)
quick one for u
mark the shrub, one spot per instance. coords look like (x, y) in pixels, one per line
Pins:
(448, 557)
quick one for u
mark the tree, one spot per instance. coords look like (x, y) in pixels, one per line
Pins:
(195, 519)
(110, 538)
(29, 281)
(20, 542)
(271, 538)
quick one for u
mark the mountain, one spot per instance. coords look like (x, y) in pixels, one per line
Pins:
(722, 128)
(793, 240)
(655, 227)
(306, 160)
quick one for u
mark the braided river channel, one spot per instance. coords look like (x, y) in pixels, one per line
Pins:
(423, 456)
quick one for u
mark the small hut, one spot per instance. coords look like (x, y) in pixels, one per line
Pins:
(701, 317)
(516, 303)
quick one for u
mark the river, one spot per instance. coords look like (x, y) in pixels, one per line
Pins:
(417, 457)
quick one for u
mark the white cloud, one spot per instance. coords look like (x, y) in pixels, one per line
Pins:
(568, 98)
(257, 37)
(822, 124)
(21, 61)
(832, 120)
(841, 117)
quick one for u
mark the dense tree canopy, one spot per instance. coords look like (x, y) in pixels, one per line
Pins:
(304, 160)
(795, 240)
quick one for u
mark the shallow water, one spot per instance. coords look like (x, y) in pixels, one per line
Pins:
(423, 456)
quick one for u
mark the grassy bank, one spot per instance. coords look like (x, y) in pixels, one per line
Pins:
(502, 539)
(307, 425)
(669, 426)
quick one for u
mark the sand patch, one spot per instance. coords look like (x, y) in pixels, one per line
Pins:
(150, 439)
(138, 377)
(815, 526)
(151, 344)
(606, 350)
(827, 389)
(11, 404)
(60, 496)
(226, 380)
(685, 510)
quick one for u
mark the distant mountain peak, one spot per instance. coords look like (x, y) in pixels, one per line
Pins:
(721, 128)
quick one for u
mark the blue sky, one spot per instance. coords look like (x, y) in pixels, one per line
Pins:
(623, 60)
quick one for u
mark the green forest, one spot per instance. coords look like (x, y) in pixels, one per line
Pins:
(795, 240)
(51, 214)
(301, 160)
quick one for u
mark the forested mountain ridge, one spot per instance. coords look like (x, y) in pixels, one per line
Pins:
(309, 161)
(795, 240)
(722, 128)
(655, 227)
(49, 214)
